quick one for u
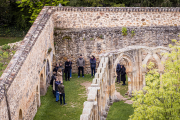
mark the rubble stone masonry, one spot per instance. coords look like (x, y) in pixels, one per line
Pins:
(66, 32)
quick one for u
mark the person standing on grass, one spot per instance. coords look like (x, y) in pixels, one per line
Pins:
(56, 89)
(93, 65)
(118, 71)
(59, 75)
(80, 64)
(62, 68)
(62, 93)
(123, 74)
(70, 68)
(53, 79)
(67, 70)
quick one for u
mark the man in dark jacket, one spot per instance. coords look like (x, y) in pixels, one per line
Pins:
(67, 69)
(93, 65)
(123, 74)
(80, 64)
(62, 93)
(56, 68)
(118, 71)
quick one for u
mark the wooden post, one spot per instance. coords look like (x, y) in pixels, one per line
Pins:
(8, 108)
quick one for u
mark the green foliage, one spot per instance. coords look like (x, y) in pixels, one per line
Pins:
(132, 33)
(159, 99)
(13, 52)
(84, 38)
(1, 52)
(124, 31)
(5, 55)
(91, 38)
(101, 36)
(66, 37)
(5, 47)
(49, 50)
(36, 6)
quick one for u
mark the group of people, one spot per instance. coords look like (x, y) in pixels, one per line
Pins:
(121, 73)
(58, 72)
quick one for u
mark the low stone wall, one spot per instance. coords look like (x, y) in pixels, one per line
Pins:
(101, 93)
(22, 76)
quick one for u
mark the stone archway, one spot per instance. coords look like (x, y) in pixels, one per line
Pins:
(47, 73)
(20, 115)
(37, 97)
(127, 61)
(42, 85)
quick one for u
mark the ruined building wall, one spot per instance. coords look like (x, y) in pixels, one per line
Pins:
(92, 31)
(22, 75)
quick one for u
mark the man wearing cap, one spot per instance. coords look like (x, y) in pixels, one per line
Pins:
(80, 64)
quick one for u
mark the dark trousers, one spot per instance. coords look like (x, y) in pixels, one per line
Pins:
(62, 95)
(124, 83)
(82, 69)
(67, 74)
(118, 77)
(93, 69)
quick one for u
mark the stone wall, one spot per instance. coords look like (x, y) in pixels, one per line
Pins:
(22, 75)
(92, 31)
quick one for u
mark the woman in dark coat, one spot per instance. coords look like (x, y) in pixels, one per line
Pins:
(93, 65)
(123, 74)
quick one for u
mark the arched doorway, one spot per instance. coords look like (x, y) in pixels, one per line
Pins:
(37, 97)
(20, 115)
(47, 73)
(42, 85)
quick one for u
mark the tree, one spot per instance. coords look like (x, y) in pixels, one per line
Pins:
(160, 98)
(35, 6)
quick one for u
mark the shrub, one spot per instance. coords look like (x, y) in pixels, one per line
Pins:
(5, 47)
(5, 55)
(1, 52)
(124, 31)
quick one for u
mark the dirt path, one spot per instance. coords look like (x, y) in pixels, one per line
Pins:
(86, 85)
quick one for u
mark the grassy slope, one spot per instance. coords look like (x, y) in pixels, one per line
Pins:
(120, 111)
(6, 40)
(75, 97)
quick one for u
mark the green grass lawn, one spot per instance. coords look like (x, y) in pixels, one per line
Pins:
(6, 40)
(120, 111)
(75, 96)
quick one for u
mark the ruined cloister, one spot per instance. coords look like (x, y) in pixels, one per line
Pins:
(59, 33)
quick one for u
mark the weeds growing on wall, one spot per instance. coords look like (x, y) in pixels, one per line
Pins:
(124, 31)
(132, 33)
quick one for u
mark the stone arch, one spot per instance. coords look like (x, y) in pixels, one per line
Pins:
(129, 69)
(42, 85)
(37, 97)
(148, 58)
(20, 115)
(47, 72)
